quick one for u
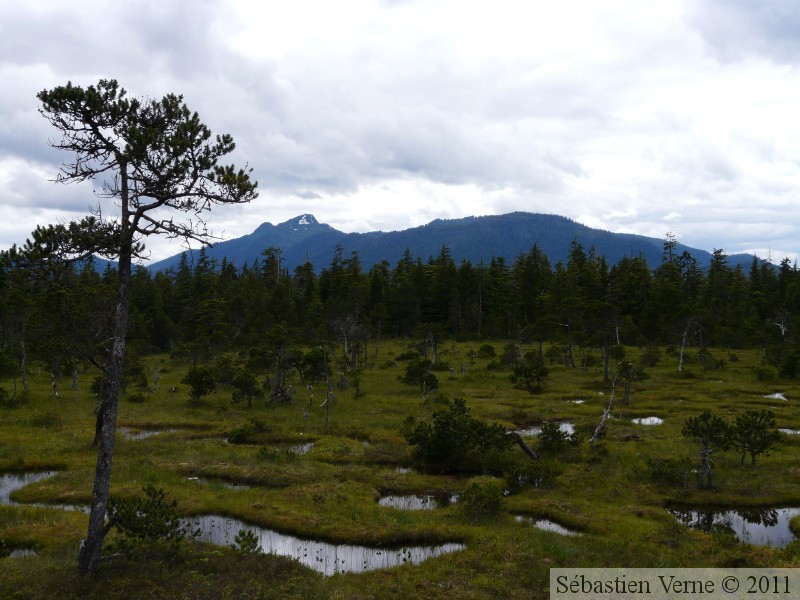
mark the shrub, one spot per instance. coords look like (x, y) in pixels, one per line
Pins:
(486, 351)
(136, 397)
(764, 374)
(529, 372)
(146, 521)
(531, 473)
(276, 454)
(551, 438)
(247, 542)
(667, 471)
(201, 381)
(10, 401)
(241, 434)
(454, 440)
(481, 498)
(754, 433)
(650, 357)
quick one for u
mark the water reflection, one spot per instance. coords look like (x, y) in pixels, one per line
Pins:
(133, 434)
(419, 502)
(761, 527)
(564, 427)
(648, 421)
(11, 482)
(219, 483)
(321, 556)
(301, 449)
(545, 525)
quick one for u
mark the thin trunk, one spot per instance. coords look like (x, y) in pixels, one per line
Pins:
(683, 347)
(23, 359)
(89, 557)
(606, 413)
(91, 548)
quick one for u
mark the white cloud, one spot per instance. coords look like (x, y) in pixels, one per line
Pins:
(630, 116)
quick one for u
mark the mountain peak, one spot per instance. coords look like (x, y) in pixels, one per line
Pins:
(304, 220)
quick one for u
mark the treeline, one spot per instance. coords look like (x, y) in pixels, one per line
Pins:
(62, 314)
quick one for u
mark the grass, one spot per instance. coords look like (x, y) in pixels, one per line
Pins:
(608, 492)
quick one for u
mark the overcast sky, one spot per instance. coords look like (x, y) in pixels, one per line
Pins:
(641, 117)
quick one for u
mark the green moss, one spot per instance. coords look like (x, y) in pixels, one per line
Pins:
(614, 492)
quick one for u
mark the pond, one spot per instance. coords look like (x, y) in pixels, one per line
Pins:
(419, 502)
(323, 557)
(22, 553)
(301, 449)
(133, 434)
(11, 482)
(648, 421)
(545, 525)
(564, 427)
(757, 526)
(790, 431)
(219, 483)
(776, 396)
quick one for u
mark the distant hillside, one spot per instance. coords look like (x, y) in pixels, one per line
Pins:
(473, 238)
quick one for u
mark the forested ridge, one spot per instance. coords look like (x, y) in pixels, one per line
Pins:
(61, 313)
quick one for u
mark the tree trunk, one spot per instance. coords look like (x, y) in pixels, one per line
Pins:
(521, 443)
(89, 556)
(23, 358)
(683, 346)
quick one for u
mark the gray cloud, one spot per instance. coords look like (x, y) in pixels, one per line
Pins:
(738, 29)
(666, 116)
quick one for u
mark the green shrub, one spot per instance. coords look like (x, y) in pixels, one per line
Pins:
(551, 438)
(650, 357)
(486, 351)
(9, 401)
(136, 397)
(764, 374)
(276, 454)
(531, 473)
(147, 521)
(481, 498)
(667, 471)
(247, 542)
(454, 440)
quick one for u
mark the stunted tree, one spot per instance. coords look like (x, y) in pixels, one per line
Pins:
(754, 433)
(711, 433)
(156, 166)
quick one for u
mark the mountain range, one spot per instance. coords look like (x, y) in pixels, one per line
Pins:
(472, 238)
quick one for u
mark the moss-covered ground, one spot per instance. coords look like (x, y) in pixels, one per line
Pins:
(614, 493)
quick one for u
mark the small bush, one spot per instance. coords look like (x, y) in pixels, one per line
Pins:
(650, 357)
(532, 473)
(551, 438)
(667, 471)
(247, 542)
(142, 522)
(136, 397)
(486, 351)
(482, 498)
(454, 440)
(764, 374)
(241, 434)
(440, 366)
(276, 454)
(9, 401)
